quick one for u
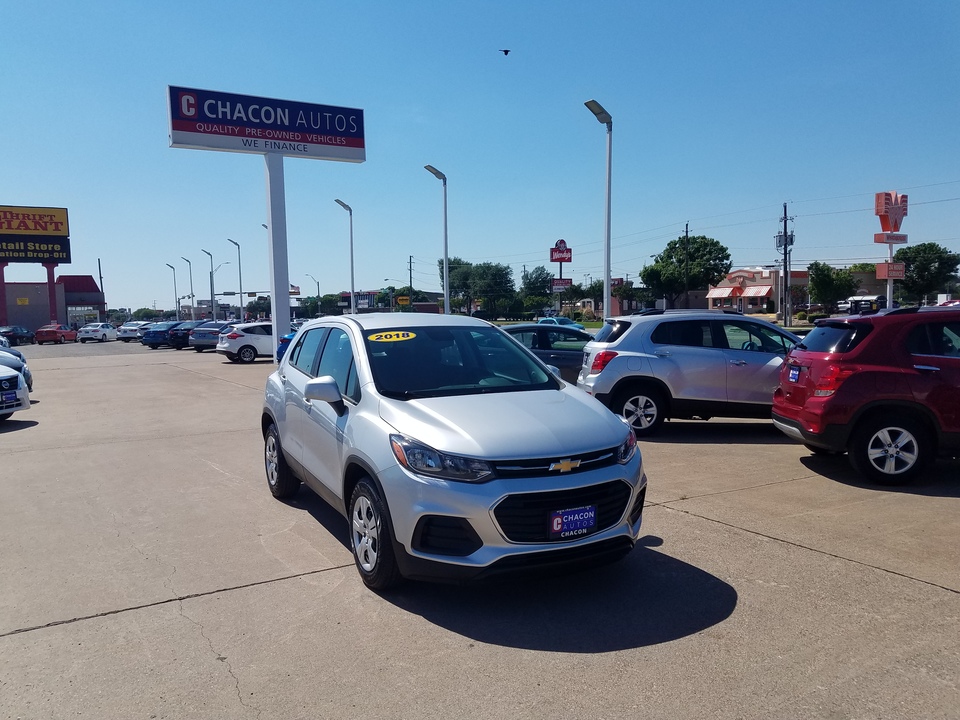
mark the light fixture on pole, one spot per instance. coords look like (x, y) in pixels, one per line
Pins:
(213, 301)
(240, 278)
(353, 294)
(193, 314)
(318, 288)
(176, 295)
(446, 260)
(604, 117)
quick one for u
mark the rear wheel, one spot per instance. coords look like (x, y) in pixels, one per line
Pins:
(247, 354)
(281, 481)
(644, 408)
(103, 338)
(890, 450)
(198, 349)
(370, 537)
(60, 339)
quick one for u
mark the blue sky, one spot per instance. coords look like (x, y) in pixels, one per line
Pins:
(722, 112)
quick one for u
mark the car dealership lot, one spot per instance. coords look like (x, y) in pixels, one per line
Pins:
(147, 572)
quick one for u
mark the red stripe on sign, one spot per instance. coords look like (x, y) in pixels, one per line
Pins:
(240, 131)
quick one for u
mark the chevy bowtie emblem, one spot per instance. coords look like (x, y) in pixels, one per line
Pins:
(564, 465)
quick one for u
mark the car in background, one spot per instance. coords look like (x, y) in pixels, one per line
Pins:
(4, 342)
(883, 388)
(101, 332)
(561, 320)
(247, 341)
(128, 331)
(284, 344)
(54, 333)
(681, 365)
(158, 334)
(15, 360)
(180, 335)
(14, 394)
(206, 335)
(452, 452)
(17, 335)
(556, 345)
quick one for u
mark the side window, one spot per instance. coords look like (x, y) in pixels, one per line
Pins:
(527, 338)
(754, 338)
(568, 339)
(691, 333)
(337, 362)
(935, 339)
(950, 339)
(304, 354)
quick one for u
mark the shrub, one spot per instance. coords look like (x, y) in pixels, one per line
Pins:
(819, 316)
(801, 315)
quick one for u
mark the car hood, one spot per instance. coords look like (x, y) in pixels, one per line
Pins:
(508, 425)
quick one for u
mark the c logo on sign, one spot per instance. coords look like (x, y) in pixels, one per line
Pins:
(557, 524)
(188, 105)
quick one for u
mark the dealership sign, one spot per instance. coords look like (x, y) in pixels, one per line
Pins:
(34, 235)
(210, 120)
(561, 284)
(560, 252)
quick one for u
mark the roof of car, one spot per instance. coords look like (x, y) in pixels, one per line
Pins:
(377, 321)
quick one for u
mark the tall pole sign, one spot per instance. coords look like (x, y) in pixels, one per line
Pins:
(560, 254)
(891, 208)
(211, 120)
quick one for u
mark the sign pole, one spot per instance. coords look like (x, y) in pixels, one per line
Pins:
(277, 228)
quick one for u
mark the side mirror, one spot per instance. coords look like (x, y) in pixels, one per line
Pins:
(325, 389)
(554, 369)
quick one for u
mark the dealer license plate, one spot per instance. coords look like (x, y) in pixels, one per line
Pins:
(572, 523)
(794, 374)
(9, 397)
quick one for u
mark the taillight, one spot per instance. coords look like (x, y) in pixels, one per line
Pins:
(600, 361)
(234, 336)
(831, 379)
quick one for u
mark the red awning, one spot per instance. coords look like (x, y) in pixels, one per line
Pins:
(722, 292)
(758, 291)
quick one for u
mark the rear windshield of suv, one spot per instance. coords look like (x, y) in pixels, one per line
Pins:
(835, 337)
(611, 331)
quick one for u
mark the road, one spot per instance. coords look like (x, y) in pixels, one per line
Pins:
(148, 573)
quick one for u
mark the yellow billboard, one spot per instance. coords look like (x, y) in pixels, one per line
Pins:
(34, 221)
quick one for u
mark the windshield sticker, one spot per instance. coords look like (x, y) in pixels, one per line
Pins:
(392, 336)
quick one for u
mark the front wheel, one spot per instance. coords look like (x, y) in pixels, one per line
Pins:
(281, 481)
(370, 537)
(889, 450)
(644, 408)
(60, 339)
(84, 340)
(198, 349)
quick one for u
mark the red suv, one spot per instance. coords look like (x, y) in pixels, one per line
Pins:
(883, 388)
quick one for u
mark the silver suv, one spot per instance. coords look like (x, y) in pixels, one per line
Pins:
(686, 364)
(452, 451)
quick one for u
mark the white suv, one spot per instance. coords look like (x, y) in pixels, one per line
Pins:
(451, 450)
(247, 341)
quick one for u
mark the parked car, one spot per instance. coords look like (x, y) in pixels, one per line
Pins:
(883, 388)
(247, 341)
(180, 335)
(101, 332)
(15, 360)
(284, 344)
(128, 331)
(684, 365)
(207, 335)
(157, 334)
(4, 342)
(55, 333)
(452, 451)
(561, 320)
(14, 394)
(17, 335)
(561, 347)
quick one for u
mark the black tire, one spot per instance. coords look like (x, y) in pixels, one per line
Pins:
(154, 347)
(371, 537)
(5, 416)
(60, 339)
(247, 354)
(280, 479)
(824, 452)
(198, 349)
(40, 342)
(644, 408)
(83, 340)
(103, 338)
(890, 450)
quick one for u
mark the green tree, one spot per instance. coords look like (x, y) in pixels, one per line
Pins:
(460, 272)
(863, 267)
(695, 263)
(492, 284)
(929, 268)
(829, 285)
(144, 313)
(538, 281)
(260, 306)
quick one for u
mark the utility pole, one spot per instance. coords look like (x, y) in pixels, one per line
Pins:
(410, 268)
(785, 243)
(686, 266)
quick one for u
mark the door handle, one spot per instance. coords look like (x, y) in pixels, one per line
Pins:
(662, 353)
(740, 363)
(926, 368)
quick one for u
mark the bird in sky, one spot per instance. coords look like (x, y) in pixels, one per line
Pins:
(505, 52)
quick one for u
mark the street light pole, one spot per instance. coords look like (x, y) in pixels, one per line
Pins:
(240, 275)
(446, 260)
(193, 314)
(353, 294)
(213, 301)
(176, 295)
(604, 117)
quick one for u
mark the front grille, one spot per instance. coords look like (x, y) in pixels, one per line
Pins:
(541, 466)
(525, 517)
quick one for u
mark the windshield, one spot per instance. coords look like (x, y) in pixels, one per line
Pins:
(435, 361)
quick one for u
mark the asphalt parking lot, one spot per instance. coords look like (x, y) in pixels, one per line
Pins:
(147, 573)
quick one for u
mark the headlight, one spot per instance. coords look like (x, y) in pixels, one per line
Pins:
(424, 460)
(629, 446)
